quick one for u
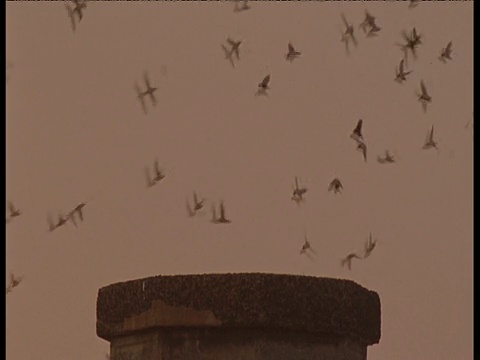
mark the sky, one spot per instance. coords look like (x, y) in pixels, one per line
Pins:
(75, 132)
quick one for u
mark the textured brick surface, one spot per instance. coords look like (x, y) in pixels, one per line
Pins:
(240, 301)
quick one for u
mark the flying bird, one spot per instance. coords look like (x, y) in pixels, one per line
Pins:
(429, 141)
(369, 246)
(388, 158)
(424, 97)
(369, 27)
(243, 7)
(159, 174)
(400, 73)
(348, 260)
(77, 210)
(197, 204)
(361, 146)
(298, 192)
(292, 53)
(12, 211)
(140, 96)
(357, 132)
(263, 86)
(306, 246)
(412, 41)
(413, 3)
(76, 10)
(348, 34)
(335, 185)
(150, 181)
(228, 55)
(14, 282)
(446, 53)
(235, 47)
(221, 219)
(149, 91)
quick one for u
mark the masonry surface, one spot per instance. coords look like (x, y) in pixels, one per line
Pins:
(238, 316)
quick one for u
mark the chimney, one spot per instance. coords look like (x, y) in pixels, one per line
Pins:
(243, 316)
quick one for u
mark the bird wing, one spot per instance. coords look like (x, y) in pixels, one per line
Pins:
(147, 175)
(222, 210)
(157, 167)
(71, 15)
(11, 207)
(237, 52)
(405, 36)
(265, 81)
(80, 213)
(331, 185)
(231, 42)
(291, 49)
(431, 134)
(214, 214)
(189, 209)
(145, 78)
(140, 96)
(448, 49)
(344, 19)
(423, 88)
(71, 216)
(354, 39)
(226, 51)
(228, 55)
(358, 128)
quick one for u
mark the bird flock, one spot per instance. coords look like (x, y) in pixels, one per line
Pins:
(412, 40)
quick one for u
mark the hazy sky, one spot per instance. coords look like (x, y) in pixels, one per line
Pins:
(76, 132)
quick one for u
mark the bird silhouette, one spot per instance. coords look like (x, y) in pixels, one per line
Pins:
(13, 212)
(306, 246)
(424, 97)
(369, 26)
(400, 73)
(429, 141)
(357, 131)
(292, 53)
(76, 10)
(263, 86)
(150, 91)
(348, 260)
(228, 55)
(298, 192)
(446, 53)
(197, 204)
(235, 47)
(14, 282)
(348, 34)
(369, 246)
(222, 219)
(159, 174)
(361, 146)
(243, 7)
(335, 186)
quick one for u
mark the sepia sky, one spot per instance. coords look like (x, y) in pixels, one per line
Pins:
(75, 132)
